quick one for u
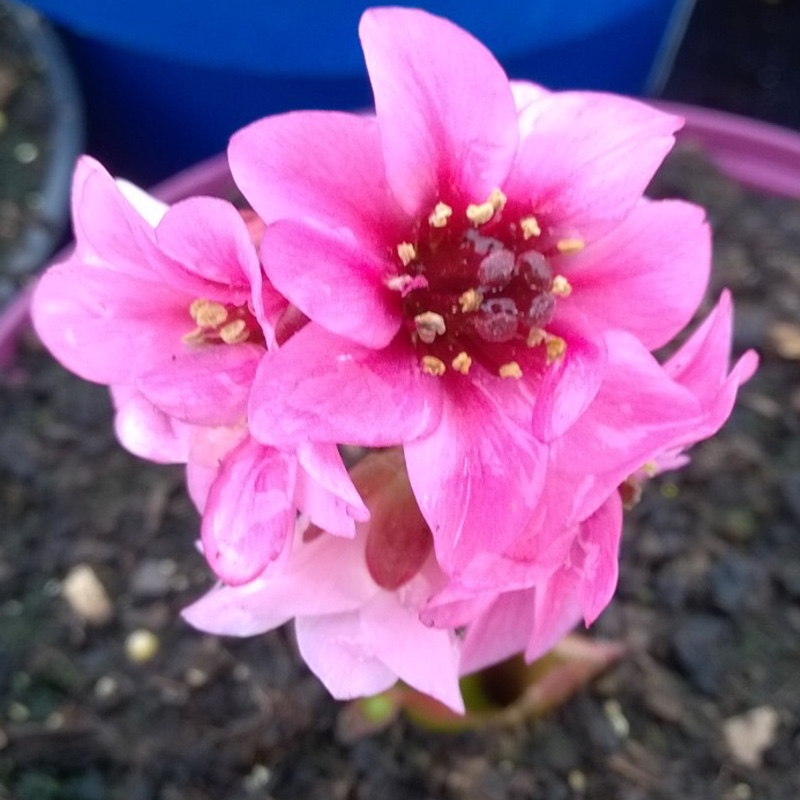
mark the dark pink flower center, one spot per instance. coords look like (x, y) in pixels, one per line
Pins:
(477, 285)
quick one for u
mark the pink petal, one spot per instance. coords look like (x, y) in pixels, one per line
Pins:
(209, 385)
(334, 648)
(108, 326)
(586, 158)
(209, 243)
(324, 491)
(320, 387)
(422, 657)
(249, 513)
(146, 431)
(478, 476)
(569, 385)
(334, 281)
(556, 612)
(446, 113)
(660, 256)
(316, 166)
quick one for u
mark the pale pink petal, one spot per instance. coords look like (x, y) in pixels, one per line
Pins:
(320, 387)
(477, 478)
(499, 632)
(334, 648)
(447, 117)
(422, 657)
(209, 243)
(647, 276)
(586, 158)
(150, 208)
(556, 612)
(209, 385)
(249, 513)
(526, 93)
(107, 326)
(320, 166)
(306, 585)
(146, 431)
(597, 557)
(569, 385)
(324, 491)
(333, 280)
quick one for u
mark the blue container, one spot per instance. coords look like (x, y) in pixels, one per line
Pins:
(167, 81)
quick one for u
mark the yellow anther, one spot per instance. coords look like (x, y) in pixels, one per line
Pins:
(440, 214)
(556, 348)
(530, 227)
(510, 370)
(429, 325)
(536, 336)
(650, 469)
(197, 336)
(569, 247)
(407, 252)
(561, 286)
(207, 313)
(470, 300)
(433, 366)
(234, 332)
(498, 199)
(480, 214)
(461, 363)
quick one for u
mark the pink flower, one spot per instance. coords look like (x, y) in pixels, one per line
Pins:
(464, 256)
(169, 307)
(356, 633)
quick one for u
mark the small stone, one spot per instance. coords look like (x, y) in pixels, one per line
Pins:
(749, 735)
(785, 340)
(86, 595)
(698, 647)
(141, 646)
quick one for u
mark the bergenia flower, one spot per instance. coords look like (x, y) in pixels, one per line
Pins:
(168, 306)
(357, 625)
(462, 256)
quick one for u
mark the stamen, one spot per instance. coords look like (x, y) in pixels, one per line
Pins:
(561, 286)
(470, 301)
(406, 283)
(510, 370)
(530, 227)
(440, 214)
(481, 213)
(234, 332)
(556, 348)
(570, 246)
(197, 336)
(207, 313)
(433, 366)
(497, 199)
(407, 252)
(461, 363)
(429, 325)
(536, 336)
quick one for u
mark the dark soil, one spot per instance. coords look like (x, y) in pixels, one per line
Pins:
(707, 604)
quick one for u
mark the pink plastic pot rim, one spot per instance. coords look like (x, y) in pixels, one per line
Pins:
(760, 155)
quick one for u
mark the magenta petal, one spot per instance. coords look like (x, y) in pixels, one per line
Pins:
(333, 280)
(209, 243)
(317, 166)
(249, 514)
(586, 158)
(569, 386)
(325, 492)
(478, 476)
(206, 386)
(334, 648)
(446, 113)
(321, 388)
(660, 254)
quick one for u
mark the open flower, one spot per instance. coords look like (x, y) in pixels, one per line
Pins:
(461, 256)
(168, 306)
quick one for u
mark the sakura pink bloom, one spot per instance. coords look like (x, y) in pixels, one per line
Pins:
(355, 601)
(461, 256)
(169, 307)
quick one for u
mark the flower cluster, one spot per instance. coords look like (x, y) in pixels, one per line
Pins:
(465, 288)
